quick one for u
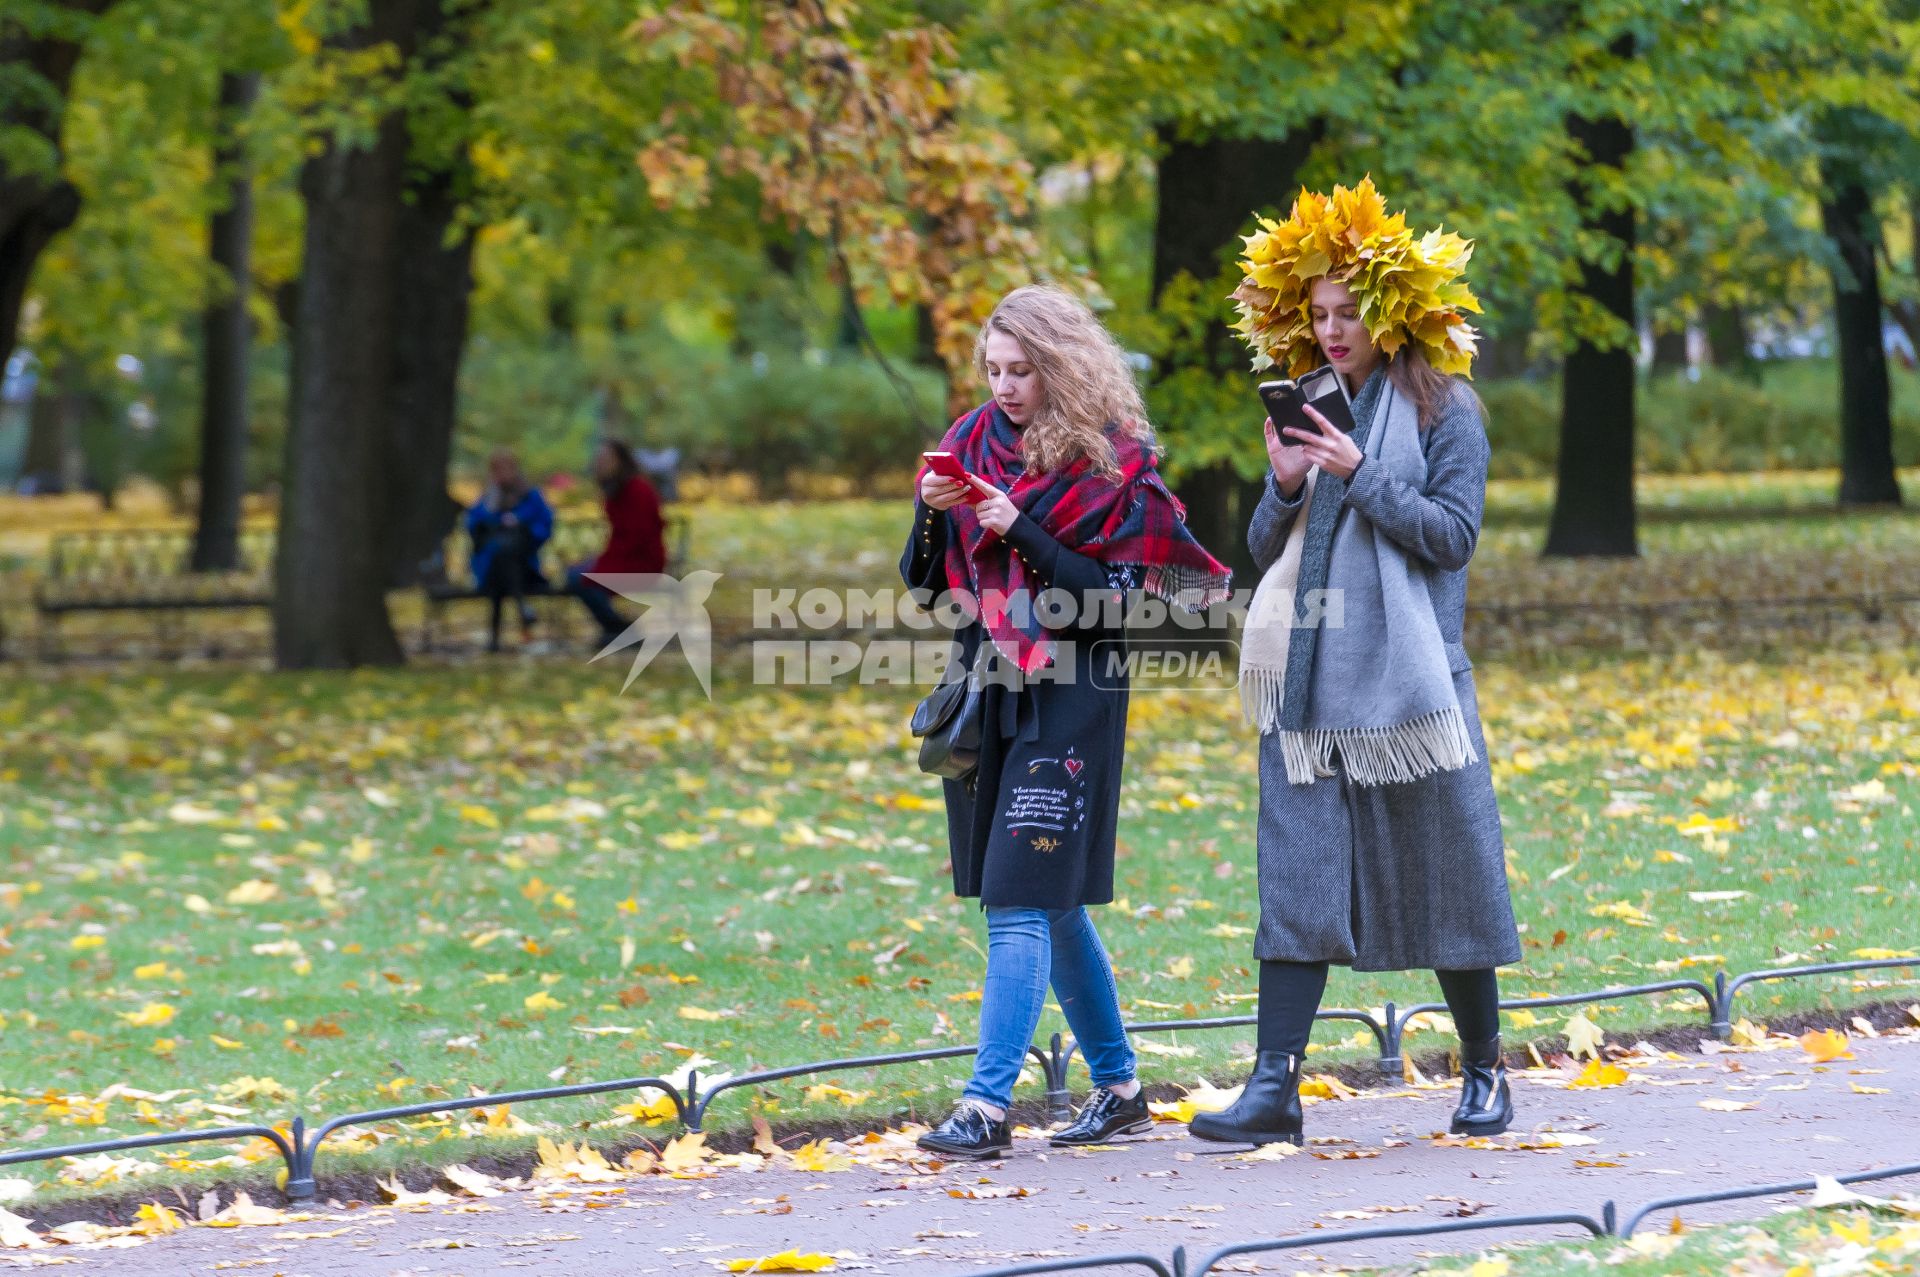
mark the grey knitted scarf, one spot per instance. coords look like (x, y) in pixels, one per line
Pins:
(1368, 676)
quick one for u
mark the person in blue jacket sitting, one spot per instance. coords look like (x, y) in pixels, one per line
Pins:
(508, 524)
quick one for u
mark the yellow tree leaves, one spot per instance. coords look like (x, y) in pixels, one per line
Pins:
(860, 139)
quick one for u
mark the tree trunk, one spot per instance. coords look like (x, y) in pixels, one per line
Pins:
(1728, 343)
(382, 322)
(1669, 352)
(1593, 510)
(35, 204)
(227, 342)
(433, 279)
(44, 461)
(330, 602)
(1866, 396)
(1205, 191)
(1906, 312)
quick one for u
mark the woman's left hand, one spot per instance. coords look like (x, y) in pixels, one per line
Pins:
(996, 510)
(1333, 450)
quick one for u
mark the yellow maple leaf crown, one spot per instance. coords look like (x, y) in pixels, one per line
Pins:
(1409, 288)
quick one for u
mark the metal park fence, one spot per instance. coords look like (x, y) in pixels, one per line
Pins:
(1607, 1224)
(298, 1144)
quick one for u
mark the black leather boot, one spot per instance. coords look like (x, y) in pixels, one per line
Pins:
(1268, 1110)
(1486, 1106)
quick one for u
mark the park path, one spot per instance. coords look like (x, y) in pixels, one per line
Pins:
(1651, 1137)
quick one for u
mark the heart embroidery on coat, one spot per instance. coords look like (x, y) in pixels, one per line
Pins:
(1073, 766)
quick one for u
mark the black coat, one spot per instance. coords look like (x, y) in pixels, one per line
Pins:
(1035, 827)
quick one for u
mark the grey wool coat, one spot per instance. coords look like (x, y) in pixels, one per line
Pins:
(1393, 877)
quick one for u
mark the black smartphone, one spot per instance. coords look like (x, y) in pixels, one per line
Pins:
(1328, 394)
(1282, 400)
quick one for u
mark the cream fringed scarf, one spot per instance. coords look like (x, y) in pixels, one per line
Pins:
(1364, 670)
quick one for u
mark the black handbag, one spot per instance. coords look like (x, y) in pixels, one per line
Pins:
(948, 724)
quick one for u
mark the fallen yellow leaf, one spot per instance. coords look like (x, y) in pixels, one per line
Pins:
(1584, 1037)
(1822, 1045)
(1598, 1074)
(787, 1261)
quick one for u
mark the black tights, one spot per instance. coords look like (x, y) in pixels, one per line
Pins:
(1290, 993)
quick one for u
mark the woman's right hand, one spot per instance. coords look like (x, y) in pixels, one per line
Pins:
(940, 492)
(1290, 464)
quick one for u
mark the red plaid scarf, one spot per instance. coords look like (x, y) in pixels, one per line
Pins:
(1132, 521)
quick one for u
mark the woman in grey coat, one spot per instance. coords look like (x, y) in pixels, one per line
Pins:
(1379, 838)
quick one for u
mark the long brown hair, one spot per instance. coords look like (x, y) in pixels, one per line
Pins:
(1086, 383)
(1428, 387)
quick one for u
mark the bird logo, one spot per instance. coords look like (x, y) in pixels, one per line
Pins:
(672, 607)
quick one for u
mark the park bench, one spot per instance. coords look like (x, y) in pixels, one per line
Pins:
(147, 571)
(572, 541)
(144, 570)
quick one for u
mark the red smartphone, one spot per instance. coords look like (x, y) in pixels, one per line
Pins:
(948, 466)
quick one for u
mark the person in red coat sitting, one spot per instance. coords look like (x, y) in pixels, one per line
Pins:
(636, 533)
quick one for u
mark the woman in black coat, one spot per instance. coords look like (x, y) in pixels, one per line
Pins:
(1062, 516)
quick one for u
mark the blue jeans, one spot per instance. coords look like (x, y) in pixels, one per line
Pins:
(1026, 950)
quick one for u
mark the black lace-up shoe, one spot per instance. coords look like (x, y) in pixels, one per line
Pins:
(1104, 1116)
(1486, 1105)
(970, 1132)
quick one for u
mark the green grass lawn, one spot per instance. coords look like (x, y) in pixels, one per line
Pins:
(1796, 1243)
(251, 895)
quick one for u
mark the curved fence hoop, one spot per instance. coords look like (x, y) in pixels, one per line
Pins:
(1148, 1262)
(222, 1134)
(300, 1180)
(1760, 1190)
(705, 1098)
(1316, 1240)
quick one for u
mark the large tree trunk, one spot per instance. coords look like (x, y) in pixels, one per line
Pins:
(1593, 510)
(1669, 352)
(1205, 192)
(381, 326)
(1866, 397)
(227, 341)
(434, 281)
(38, 203)
(330, 601)
(1728, 343)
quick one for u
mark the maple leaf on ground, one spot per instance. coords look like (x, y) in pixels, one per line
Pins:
(16, 1233)
(988, 1192)
(476, 1183)
(1822, 1045)
(817, 1157)
(1598, 1074)
(243, 1210)
(154, 1220)
(582, 1163)
(400, 1195)
(787, 1261)
(1584, 1037)
(685, 1153)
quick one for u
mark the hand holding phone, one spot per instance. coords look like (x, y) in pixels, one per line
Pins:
(1284, 405)
(948, 466)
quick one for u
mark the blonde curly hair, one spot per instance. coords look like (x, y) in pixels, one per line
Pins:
(1086, 383)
